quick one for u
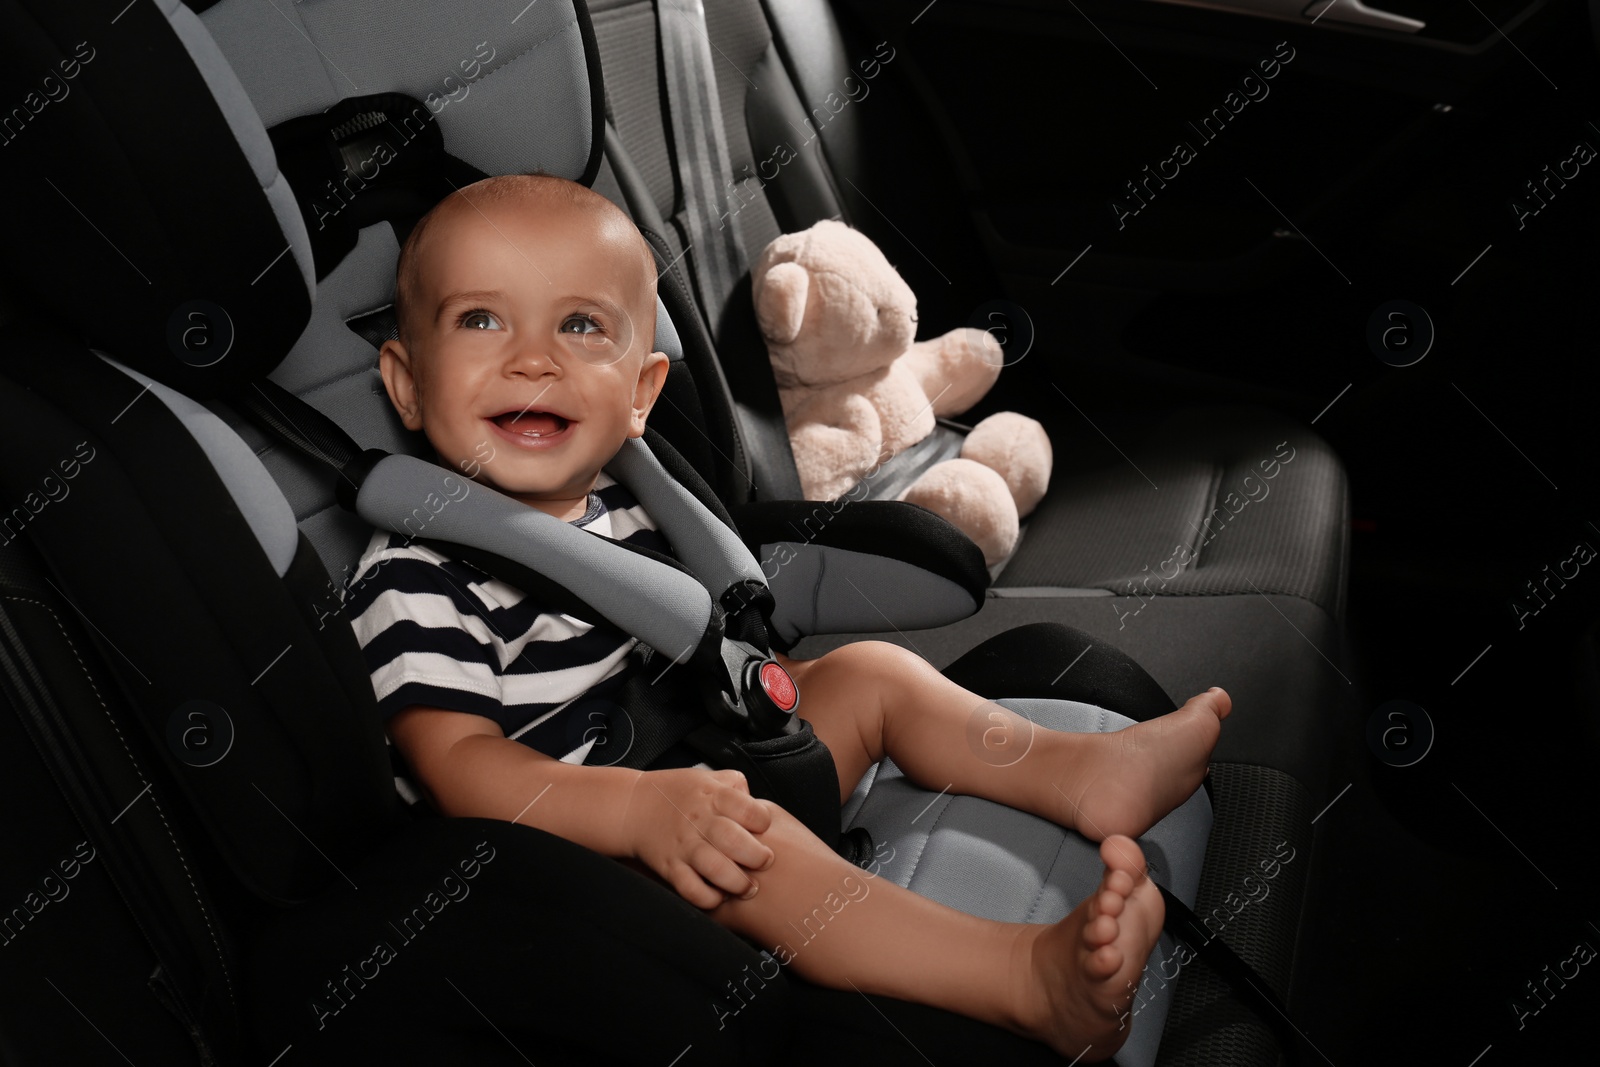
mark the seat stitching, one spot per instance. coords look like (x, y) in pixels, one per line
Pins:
(308, 516)
(1217, 592)
(176, 848)
(563, 28)
(816, 592)
(916, 863)
(337, 378)
(1211, 495)
(1054, 862)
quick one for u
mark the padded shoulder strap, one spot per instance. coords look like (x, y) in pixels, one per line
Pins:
(666, 608)
(705, 542)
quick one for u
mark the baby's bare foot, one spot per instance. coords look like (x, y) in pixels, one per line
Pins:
(1124, 782)
(1081, 972)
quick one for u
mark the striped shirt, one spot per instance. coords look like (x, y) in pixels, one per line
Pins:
(439, 632)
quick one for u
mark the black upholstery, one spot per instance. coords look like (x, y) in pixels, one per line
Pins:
(194, 280)
(1023, 662)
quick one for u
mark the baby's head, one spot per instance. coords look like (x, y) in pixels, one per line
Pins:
(527, 309)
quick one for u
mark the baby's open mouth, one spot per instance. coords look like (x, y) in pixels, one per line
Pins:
(531, 423)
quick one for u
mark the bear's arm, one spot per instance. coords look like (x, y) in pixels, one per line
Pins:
(836, 438)
(955, 369)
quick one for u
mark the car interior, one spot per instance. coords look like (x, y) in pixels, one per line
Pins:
(1285, 283)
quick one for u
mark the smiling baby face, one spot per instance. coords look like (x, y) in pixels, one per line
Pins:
(527, 307)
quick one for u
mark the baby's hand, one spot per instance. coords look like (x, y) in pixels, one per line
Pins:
(695, 829)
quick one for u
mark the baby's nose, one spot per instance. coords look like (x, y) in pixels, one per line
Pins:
(534, 357)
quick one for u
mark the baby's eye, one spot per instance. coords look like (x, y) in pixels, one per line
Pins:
(478, 319)
(584, 323)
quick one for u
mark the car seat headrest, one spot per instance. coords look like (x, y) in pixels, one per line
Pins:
(146, 206)
(143, 174)
(376, 113)
(365, 160)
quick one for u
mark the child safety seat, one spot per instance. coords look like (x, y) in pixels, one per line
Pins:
(172, 634)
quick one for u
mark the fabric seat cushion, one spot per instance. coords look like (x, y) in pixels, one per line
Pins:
(999, 863)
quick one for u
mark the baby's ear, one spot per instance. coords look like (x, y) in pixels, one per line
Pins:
(394, 364)
(652, 377)
(781, 304)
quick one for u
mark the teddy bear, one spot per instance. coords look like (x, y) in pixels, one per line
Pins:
(857, 388)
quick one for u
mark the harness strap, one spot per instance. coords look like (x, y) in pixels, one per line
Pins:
(662, 602)
(716, 554)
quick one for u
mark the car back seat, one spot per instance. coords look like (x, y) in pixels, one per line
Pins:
(1258, 609)
(1186, 477)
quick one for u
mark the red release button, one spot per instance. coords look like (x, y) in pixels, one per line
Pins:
(779, 686)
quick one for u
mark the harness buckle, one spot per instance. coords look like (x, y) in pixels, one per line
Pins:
(755, 695)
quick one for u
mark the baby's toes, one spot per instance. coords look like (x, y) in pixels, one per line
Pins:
(1103, 962)
(1121, 855)
(1144, 913)
(1100, 931)
(1218, 700)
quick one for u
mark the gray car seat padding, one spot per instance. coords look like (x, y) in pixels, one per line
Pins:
(308, 57)
(252, 137)
(820, 589)
(999, 863)
(247, 481)
(296, 59)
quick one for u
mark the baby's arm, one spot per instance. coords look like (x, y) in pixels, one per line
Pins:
(691, 827)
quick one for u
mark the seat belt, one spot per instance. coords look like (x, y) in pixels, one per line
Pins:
(1182, 923)
(700, 150)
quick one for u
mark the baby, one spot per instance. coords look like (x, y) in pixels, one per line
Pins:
(526, 310)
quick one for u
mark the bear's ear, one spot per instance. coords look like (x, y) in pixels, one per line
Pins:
(782, 304)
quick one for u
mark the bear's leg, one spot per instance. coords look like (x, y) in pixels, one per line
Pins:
(975, 500)
(1018, 448)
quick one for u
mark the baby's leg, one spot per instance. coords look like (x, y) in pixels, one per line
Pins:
(871, 699)
(1066, 984)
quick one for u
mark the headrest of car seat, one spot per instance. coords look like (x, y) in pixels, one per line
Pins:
(150, 210)
(374, 109)
(145, 206)
(377, 112)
